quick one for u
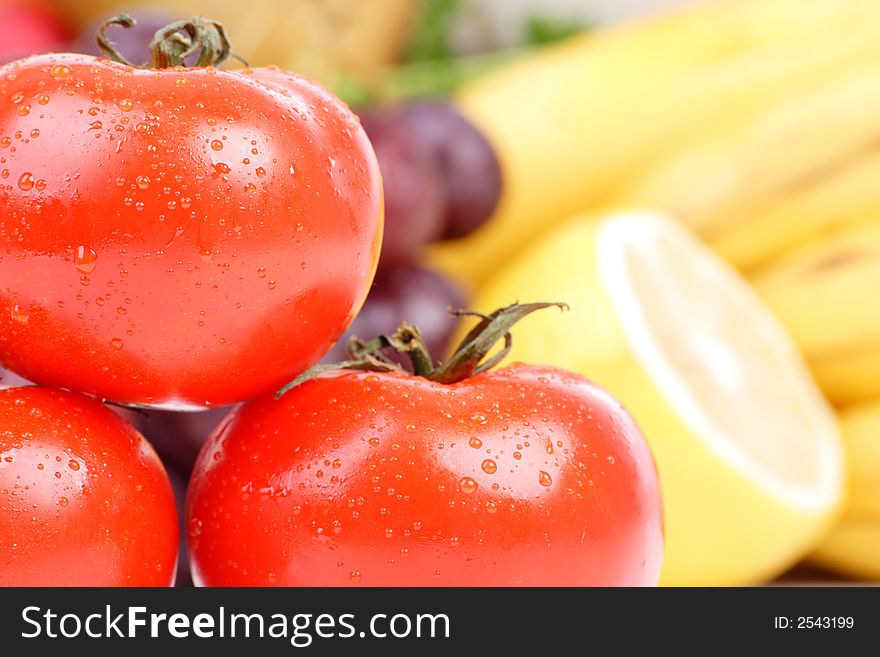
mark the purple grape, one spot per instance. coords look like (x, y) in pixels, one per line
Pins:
(179, 484)
(468, 165)
(418, 296)
(412, 186)
(177, 437)
(11, 379)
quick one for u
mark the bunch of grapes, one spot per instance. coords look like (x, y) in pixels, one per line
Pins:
(442, 181)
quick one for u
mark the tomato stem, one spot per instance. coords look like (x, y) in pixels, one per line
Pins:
(172, 44)
(468, 359)
(106, 46)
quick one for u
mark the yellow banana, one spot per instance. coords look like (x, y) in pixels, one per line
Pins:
(572, 122)
(803, 165)
(824, 293)
(853, 546)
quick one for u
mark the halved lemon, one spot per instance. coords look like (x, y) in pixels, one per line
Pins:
(747, 449)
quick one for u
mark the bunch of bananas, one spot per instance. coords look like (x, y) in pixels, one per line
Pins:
(853, 546)
(757, 124)
(823, 292)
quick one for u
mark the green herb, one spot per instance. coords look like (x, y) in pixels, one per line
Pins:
(542, 30)
(430, 39)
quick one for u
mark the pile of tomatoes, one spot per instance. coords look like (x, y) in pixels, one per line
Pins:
(189, 238)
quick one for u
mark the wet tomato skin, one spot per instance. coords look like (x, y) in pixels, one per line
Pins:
(526, 476)
(84, 500)
(177, 237)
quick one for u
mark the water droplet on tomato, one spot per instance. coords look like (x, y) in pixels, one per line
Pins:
(217, 145)
(355, 576)
(85, 259)
(475, 442)
(63, 501)
(20, 314)
(143, 182)
(195, 527)
(125, 104)
(544, 478)
(489, 466)
(491, 507)
(26, 181)
(73, 464)
(116, 343)
(467, 485)
(60, 71)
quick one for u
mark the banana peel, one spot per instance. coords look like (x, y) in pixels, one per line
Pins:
(823, 292)
(852, 548)
(574, 123)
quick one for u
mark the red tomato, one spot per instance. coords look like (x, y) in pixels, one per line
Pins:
(527, 476)
(177, 237)
(84, 500)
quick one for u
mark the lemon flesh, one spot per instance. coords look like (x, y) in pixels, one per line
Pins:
(747, 449)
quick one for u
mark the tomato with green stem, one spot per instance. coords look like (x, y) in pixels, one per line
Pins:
(452, 476)
(178, 237)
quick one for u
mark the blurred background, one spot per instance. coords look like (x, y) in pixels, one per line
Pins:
(494, 120)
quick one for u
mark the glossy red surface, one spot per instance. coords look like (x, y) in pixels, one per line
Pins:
(526, 476)
(84, 500)
(182, 237)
